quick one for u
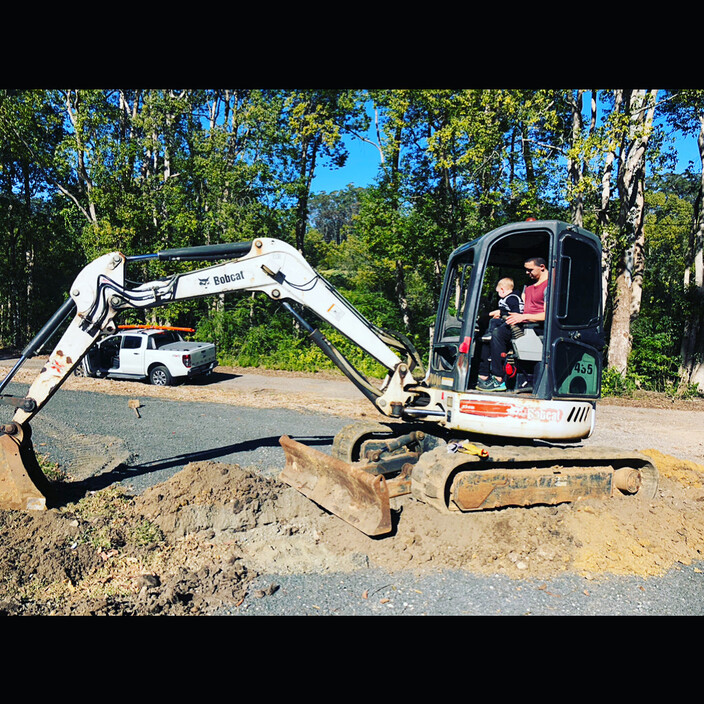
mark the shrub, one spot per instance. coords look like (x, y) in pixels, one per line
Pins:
(613, 383)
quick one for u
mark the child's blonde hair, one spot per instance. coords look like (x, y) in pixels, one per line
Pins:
(506, 282)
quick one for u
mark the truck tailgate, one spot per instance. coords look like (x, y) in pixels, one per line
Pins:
(200, 352)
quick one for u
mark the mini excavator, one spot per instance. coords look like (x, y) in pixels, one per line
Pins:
(439, 438)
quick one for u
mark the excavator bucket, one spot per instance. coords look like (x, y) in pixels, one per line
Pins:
(23, 485)
(357, 497)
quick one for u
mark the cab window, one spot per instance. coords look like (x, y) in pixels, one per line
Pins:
(579, 289)
(131, 342)
(451, 319)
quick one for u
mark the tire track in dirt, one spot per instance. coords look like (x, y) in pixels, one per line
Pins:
(90, 455)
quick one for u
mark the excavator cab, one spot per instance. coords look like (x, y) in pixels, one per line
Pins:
(463, 449)
(560, 358)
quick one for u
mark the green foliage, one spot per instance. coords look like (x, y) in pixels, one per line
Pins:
(332, 214)
(654, 359)
(613, 383)
(684, 391)
(265, 337)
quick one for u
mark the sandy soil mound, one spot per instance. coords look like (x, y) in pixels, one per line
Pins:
(197, 541)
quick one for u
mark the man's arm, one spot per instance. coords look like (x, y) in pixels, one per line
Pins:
(515, 318)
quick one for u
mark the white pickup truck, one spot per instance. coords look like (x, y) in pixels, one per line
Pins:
(160, 355)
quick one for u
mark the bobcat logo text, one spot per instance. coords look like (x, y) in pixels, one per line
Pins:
(221, 280)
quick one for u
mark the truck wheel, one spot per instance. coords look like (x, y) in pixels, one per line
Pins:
(160, 376)
(80, 371)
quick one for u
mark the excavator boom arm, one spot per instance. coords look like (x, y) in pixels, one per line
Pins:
(266, 265)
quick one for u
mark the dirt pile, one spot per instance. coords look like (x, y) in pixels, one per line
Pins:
(113, 554)
(197, 541)
(624, 535)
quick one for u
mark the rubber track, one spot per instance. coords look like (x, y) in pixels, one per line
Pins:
(434, 471)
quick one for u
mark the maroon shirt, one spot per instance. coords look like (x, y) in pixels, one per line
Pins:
(535, 298)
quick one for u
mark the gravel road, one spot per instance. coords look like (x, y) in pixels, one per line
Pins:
(143, 448)
(455, 593)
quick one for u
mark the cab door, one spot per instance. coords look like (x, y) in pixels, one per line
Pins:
(576, 318)
(132, 354)
(106, 354)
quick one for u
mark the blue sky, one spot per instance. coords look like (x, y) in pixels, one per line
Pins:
(363, 164)
(360, 170)
(687, 150)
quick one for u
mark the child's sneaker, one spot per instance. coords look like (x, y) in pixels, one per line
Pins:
(491, 384)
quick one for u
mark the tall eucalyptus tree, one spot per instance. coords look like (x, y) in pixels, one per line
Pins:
(685, 110)
(628, 259)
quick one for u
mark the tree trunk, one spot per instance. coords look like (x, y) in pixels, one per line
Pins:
(630, 265)
(574, 167)
(301, 221)
(692, 369)
(692, 366)
(603, 217)
(306, 172)
(578, 164)
(73, 107)
(401, 295)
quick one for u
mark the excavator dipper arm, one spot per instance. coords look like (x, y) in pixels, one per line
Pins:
(22, 484)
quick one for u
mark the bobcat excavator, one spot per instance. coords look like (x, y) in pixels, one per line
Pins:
(442, 441)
